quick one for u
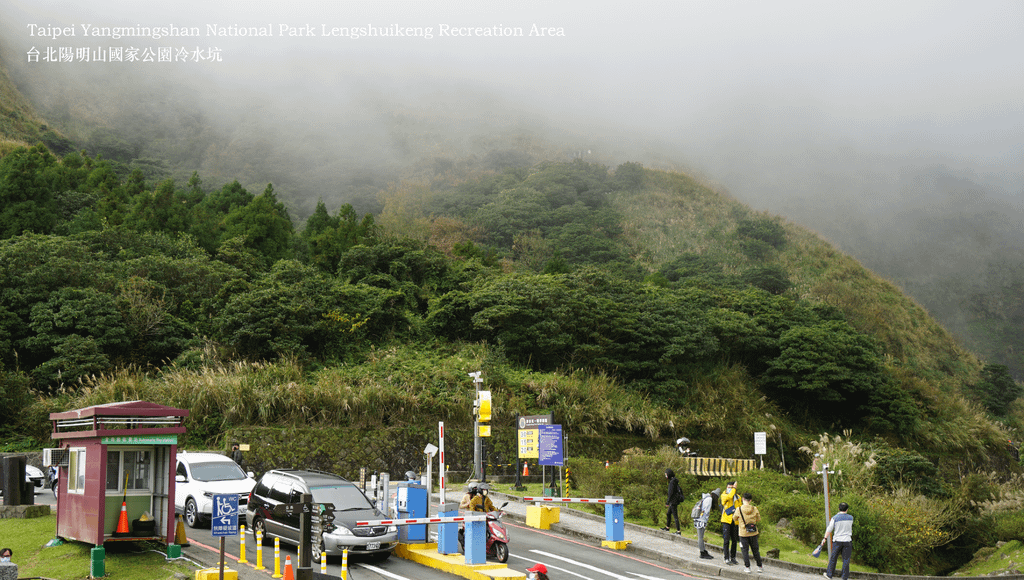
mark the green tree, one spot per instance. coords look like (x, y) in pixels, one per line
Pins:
(77, 331)
(996, 389)
(263, 224)
(827, 372)
(29, 182)
(298, 310)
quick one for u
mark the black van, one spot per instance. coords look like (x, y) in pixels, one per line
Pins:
(286, 486)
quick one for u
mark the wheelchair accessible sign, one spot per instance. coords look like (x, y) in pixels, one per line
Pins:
(224, 519)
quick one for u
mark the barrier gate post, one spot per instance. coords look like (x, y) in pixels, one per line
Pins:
(614, 525)
(614, 520)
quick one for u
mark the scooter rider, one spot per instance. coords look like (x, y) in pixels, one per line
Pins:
(471, 492)
(481, 503)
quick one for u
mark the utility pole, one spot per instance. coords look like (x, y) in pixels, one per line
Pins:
(477, 447)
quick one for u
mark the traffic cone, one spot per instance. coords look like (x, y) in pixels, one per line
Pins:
(179, 533)
(122, 523)
(526, 471)
(288, 573)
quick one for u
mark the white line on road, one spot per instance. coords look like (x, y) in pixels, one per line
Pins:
(580, 564)
(569, 572)
(383, 572)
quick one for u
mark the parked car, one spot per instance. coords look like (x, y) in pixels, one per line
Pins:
(286, 486)
(200, 476)
(36, 476)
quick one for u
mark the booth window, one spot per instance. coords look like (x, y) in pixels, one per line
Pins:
(76, 471)
(131, 468)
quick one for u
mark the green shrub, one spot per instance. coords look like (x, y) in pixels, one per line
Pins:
(1008, 526)
(640, 478)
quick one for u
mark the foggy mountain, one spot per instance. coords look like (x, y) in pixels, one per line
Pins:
(893, 130)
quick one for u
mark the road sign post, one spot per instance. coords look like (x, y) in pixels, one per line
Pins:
(224, 522)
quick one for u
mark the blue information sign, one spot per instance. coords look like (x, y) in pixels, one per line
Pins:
(224, 519)
(550, 445)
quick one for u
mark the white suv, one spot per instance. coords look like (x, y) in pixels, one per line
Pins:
(199, 477)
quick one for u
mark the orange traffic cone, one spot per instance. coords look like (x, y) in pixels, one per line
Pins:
(122, 522)
(179, 533)
(526, 471)
(288, 573)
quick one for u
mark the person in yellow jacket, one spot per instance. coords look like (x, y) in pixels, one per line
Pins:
(730, 531)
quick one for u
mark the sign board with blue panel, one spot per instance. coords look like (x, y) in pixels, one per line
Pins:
(550, 447)
(224, 519)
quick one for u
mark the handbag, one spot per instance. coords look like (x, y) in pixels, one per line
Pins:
(751, 528)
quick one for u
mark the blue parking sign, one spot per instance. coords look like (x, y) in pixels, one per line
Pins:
(224, 519)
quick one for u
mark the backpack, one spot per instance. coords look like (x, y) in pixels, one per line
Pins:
(696, 512)
(680, 496)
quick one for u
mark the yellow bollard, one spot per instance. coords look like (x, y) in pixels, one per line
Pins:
(277, 559)
(241, 543)
(323, 563)
(259, 550)
(344, 565)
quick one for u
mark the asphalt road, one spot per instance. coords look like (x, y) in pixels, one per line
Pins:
(565, 557)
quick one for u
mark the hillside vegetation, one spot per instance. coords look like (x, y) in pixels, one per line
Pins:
(636, 305)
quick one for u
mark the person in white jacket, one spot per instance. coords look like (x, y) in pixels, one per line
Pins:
(841, 528)
(708, 503)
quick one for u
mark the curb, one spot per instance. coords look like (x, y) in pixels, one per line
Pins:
(705, 567)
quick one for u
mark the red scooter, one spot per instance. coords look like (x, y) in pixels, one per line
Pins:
(497, 535)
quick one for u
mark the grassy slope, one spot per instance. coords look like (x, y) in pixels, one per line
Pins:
(17, 118)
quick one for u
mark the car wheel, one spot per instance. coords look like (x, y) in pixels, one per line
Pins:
(258, 525)
(317, 552)
(191, 513)
(501, 551)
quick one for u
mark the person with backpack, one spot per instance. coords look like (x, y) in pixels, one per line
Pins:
(730, 531)
(675, 496)
(700, 514)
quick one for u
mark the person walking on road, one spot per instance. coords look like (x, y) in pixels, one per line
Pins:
(841, 528)
(747, 517)
(675, 495)
(730, 532)
(707, 506)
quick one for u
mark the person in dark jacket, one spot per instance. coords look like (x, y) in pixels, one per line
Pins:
(675, 495)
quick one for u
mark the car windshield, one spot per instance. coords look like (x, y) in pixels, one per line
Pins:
(217, 471)
(344, 497)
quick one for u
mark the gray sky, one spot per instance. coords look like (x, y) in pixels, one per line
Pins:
(721, 80)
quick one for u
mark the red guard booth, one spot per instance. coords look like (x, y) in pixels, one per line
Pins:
(114, 454)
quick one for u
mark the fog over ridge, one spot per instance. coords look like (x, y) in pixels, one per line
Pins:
(894, 129)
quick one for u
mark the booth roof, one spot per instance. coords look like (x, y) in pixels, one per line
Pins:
(122, 409)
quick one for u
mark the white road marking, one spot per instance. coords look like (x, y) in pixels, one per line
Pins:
(580, 564)
(569, 572)
(382, 572)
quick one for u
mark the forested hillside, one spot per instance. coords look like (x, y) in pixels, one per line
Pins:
(559, 268)
(635, 304)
